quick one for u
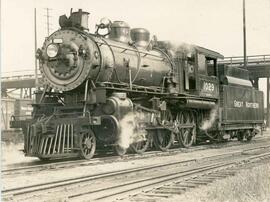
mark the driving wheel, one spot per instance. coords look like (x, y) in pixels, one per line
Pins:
(185, 124)
(164, 138)
(119, 150)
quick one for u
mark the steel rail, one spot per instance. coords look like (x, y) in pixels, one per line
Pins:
(99, 160)
(62, 183)
(139, 185)
(181, 186)
(54, 184)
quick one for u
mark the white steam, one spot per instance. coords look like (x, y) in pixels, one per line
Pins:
(131, 129)
(13, 154)
(186, 48)
(207, 123)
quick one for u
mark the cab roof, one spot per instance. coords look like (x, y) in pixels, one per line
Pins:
(209, 53)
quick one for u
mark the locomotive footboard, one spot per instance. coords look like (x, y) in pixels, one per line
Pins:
(59, 138)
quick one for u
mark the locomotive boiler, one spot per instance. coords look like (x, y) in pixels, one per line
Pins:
(97, 87)
(70, 56)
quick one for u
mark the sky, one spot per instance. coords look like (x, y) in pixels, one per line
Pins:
(214, 24)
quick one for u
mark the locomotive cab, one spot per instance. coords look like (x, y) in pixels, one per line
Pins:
(200, 72)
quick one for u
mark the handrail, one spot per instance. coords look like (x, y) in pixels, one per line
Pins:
(247, 56)
(250, 59)
(227, 60)
(19, 77)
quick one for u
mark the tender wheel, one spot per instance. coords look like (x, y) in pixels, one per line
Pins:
(185, 123)
(120, 151)
(240, 136)
(88, 144)
(249, 138)
(163, 139)
(248, 135)
(214, 136)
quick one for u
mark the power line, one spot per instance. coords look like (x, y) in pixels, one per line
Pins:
(48, 20)
(35, 30)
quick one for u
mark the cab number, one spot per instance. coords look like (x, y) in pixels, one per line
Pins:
(210, 87)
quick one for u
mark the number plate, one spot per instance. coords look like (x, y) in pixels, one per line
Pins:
(208, 89)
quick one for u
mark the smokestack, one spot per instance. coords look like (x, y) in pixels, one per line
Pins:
(77, 19)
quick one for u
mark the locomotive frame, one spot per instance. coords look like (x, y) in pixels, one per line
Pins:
(97, 80)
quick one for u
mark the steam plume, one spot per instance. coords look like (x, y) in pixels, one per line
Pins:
(130, 132)
(12, 154)
(207, 123)
(186, 48)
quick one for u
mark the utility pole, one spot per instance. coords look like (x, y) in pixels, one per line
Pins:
(48, 20)
(35, 30)
(244, 34)
(267, 102)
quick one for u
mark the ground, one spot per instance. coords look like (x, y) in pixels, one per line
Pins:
(250, 185)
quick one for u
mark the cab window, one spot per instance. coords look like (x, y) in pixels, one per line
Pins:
(191, 72)
(201, 64)
(211, 66)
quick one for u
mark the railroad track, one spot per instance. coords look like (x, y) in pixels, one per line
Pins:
(185, 179)
(101, 160)
(193, 181)
(169, 172)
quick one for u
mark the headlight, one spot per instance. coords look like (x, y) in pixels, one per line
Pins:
(52, 50)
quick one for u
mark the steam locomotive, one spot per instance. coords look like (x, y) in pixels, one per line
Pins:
(117, 88)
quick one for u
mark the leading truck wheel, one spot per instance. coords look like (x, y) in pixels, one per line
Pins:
(87, 144)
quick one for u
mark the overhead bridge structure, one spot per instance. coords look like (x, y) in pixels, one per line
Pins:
(258, 65)
(24, 81)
